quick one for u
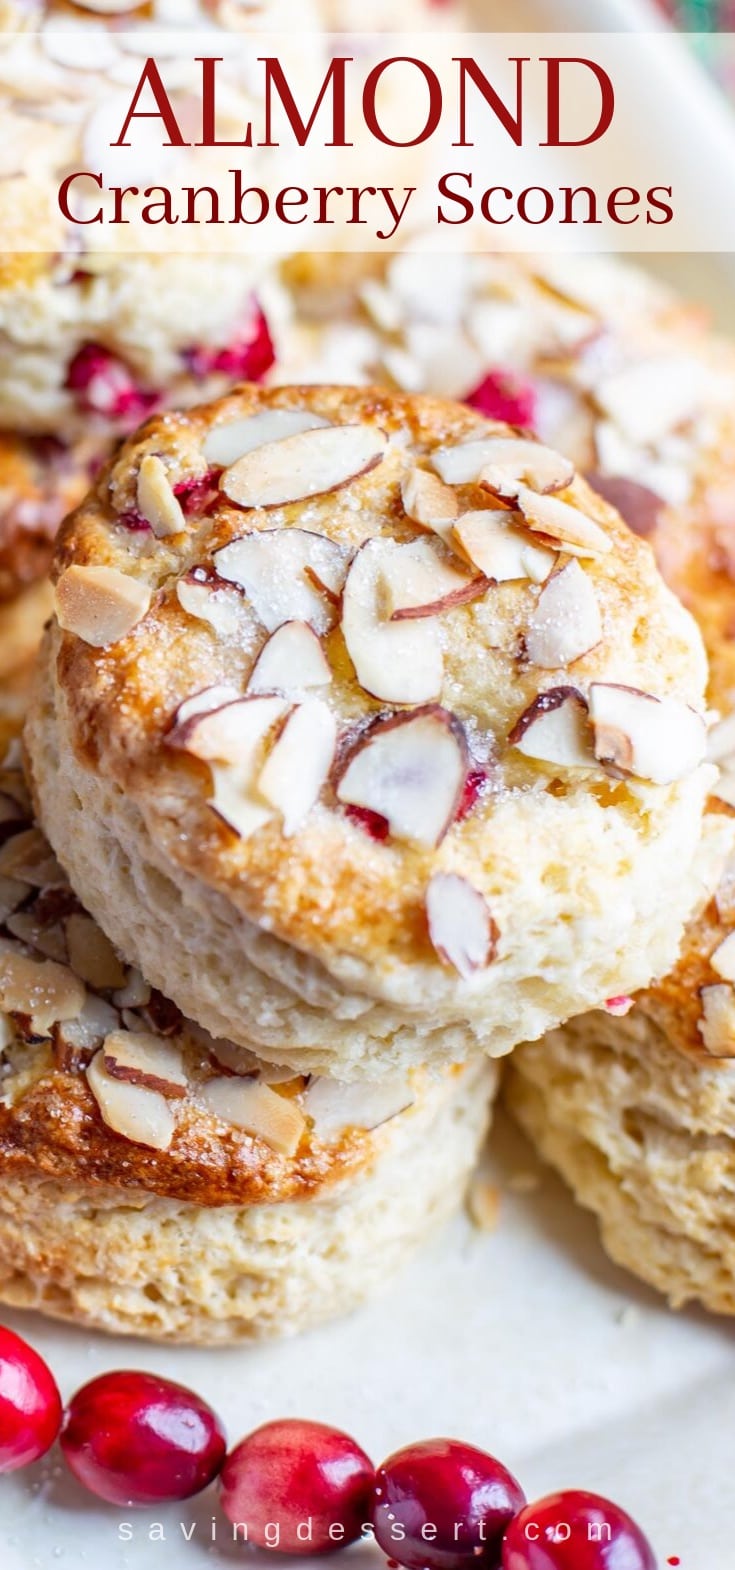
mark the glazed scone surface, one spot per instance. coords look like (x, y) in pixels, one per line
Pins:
(337, 882)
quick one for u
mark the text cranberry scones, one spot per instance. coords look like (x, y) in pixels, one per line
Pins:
(368, 729)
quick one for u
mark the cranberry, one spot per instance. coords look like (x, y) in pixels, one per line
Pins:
(373, 823)
(30, 1404)
(198, 495)
(575, 1531)
(471, 792)
(303, 1483)
(443, 1505)
(104, 385)
(503, 395)
(135, 1439)
(246, 358)
(134, 521)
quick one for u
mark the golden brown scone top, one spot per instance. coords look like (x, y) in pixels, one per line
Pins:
(421, 650)
(103, 1081)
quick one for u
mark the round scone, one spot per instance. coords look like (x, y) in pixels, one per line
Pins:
(367, 729)
(158, 1182)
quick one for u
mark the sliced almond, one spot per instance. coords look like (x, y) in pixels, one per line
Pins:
(717, 1025)
(421, 582)
(210, 600)
(502, 552)
(411, 770)
(428, 501)
(99, 604)
(555, 729)
(232, 740)
(258, 1110)
(566, 622)
(156, 500)
(291, 660)
(649, 398)
(12, 894)
(271, 566)
(723, 959)
(135, 993)
(505, 464)
(298, 767)
(657, 739)
(399, 661)
(137, 1113)
(205, 702)
(144, 1059)
(87, 1031)
(48, 939)
(336, 1108)
(461, 927)
(40, 988)
(298, 467)
(29, 857)
(562, 523)
(231, 440)
(91, 954)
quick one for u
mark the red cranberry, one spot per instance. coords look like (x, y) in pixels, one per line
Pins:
(198, 495)
(298, 1487)
(472, 790)
(373, 823)
(134, 1439)
(246, 358)
(30, 1404)
(104, 385)
(443, 1505)
(575, 1531)
(503, 395)
(134, 521)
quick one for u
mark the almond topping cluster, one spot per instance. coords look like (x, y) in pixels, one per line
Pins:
(67, 1001)
(273, 750)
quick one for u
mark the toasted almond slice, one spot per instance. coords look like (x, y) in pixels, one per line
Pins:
(108, 7)
(298, 467)
(232, 740)
(135, 993)
(503, 552)
(461, 927)
(717, 1025)
(566, 622)
(299, 765)
(421, 582)
(649, 398)
(336, 1108)
(87, 1032)
(137, 1113)
(555, 729)
(47, 939)
(29, 857)
(210, 600)
(657, 739)
(231, 440)
(271, 566)
(505, 463)
(140, 1058)
(291, 660)
(204, 702)
(723, 959)
(40, 988)
(99, 604)
(559, 521)
(428, 501)
(399, 661)
(12, 894)
(91, 954)
(156, 500)
(257, 1109)
(411, 770)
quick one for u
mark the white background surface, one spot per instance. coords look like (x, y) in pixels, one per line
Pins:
(526, 1342)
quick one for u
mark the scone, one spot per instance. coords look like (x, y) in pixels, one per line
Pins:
(635, 1106)
(157, 1182)
(40, 482)
(367, 730)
